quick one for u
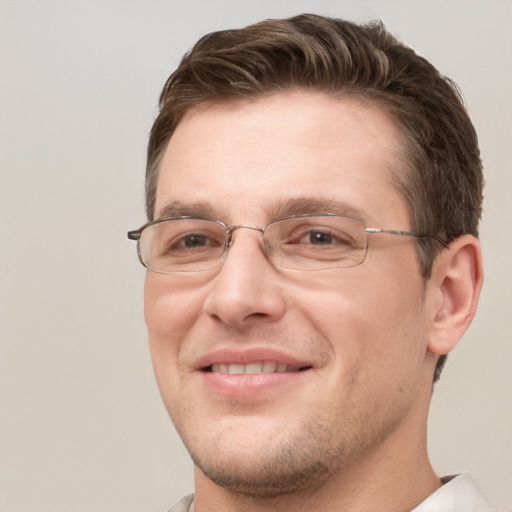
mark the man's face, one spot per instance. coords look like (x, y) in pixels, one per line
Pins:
(352, 341)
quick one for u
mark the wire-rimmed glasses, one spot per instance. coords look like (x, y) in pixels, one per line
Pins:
(304, 243)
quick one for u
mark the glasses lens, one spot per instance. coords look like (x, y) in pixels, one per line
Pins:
(316, 242)
(182, 245)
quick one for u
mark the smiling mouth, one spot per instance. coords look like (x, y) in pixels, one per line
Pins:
(254, 368)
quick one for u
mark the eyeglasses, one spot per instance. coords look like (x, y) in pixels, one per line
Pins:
(304, 243)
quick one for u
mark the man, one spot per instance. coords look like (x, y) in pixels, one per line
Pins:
(313, 192)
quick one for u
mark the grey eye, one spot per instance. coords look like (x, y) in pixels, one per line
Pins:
(320, 238)
(192, 241)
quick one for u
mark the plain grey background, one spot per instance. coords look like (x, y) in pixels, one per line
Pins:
(81, 423)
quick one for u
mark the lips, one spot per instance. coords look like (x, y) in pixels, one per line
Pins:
(250, 372)
(250, 361)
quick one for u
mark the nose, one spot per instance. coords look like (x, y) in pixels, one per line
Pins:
(247, 289)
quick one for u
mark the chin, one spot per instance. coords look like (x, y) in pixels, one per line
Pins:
(275, 476)
(269, 467)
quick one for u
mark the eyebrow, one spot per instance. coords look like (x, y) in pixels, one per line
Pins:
(280, 208)
(180, 209)
(306, 205)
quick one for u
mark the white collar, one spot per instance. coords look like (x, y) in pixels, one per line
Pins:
(458, 494)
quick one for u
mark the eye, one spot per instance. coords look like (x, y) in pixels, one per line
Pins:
(196, 240)
(318, 238)
(316, 242)
(171, 240)
(193, 241)
(183, 245)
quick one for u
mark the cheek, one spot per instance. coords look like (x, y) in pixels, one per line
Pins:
(170, 311)
(170, 305)
(369, 320)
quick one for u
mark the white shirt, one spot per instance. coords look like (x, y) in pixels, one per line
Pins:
(458, 494)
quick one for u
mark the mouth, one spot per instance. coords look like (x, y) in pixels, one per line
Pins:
(256, 373)
(254, 368)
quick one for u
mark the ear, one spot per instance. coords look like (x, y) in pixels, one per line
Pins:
(456, 282)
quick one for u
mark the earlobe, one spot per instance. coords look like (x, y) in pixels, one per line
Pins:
(457, 280)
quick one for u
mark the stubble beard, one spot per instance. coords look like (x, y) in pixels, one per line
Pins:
(316, 454)
(299, 465)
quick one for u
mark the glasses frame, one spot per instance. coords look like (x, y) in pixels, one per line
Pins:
(228, 230)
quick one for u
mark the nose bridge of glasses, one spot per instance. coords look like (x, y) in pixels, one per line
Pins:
(231, 229)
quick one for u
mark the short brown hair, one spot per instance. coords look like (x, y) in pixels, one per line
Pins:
(441, 177)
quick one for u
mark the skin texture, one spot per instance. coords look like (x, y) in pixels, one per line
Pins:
(350, 430)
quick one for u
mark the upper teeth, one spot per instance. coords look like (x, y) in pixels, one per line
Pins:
(260, 367)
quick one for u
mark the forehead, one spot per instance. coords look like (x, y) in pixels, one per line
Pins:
(245, 158)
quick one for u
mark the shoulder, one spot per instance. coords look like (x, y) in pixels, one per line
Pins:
(183, 505)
